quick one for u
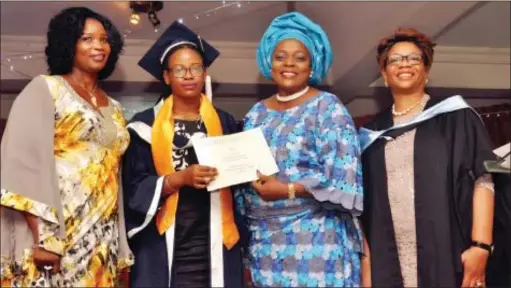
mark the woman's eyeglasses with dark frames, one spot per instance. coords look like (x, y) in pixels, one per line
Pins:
(397, 59)
(180, 71)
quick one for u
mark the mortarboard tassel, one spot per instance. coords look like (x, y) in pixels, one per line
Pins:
(201, 46)
(209, 89)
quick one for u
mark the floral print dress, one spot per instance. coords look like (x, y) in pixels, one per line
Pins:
(307, 242)
(87, 146)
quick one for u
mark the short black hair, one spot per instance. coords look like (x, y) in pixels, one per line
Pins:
(64, 31)
(421, 40)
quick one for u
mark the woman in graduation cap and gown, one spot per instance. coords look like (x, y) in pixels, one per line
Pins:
(181, 234)
(428, 206)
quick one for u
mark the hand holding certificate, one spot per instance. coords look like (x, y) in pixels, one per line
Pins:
(237, 157)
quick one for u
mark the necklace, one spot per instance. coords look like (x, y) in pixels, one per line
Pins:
(93, 98)
(423, 101)
(189, 117)
(292, 96)
(186, 117)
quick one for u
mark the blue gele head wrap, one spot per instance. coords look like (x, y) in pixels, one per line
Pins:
(297, 26)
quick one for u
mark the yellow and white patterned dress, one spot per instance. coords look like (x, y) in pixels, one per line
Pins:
(79, 211)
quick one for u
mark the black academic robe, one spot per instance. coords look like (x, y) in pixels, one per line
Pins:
(449, 153)
(141, 201)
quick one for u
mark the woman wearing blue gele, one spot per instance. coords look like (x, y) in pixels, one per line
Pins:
(303, 220)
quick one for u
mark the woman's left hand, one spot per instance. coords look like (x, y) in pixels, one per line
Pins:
(474, 267)
(270, 188)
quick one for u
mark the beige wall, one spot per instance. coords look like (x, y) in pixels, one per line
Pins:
(239, 106)
(468, 67)
(237, 63)
(236, 106)
(368, 106)
(5, 104)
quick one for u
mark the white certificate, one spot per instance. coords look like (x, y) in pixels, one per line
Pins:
(237, 157)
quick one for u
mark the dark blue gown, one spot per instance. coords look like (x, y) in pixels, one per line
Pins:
(191, 253)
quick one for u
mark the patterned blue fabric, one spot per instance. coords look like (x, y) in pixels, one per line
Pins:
(297, 26)
(307, 242)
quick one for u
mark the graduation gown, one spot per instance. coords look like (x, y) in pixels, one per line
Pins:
(450, 150)
(142, 199)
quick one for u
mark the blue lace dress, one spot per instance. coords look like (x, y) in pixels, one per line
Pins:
(307, 242)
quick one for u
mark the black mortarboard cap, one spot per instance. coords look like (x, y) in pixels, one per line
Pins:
(175, 35)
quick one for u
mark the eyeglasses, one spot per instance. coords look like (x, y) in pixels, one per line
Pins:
(397, 59)
(179, 71)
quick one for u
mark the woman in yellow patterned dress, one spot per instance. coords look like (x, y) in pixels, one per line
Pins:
(61, 222)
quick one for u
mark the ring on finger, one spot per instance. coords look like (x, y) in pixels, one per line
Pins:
(479, 284)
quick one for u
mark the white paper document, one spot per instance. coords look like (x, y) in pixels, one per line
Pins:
(502, 165)
(237, 157)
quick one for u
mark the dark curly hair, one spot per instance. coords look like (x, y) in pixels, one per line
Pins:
(64, 31)
(422, 41)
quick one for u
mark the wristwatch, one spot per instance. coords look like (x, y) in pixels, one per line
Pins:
(487, 247)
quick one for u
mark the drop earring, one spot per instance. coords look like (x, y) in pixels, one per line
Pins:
(427, 81)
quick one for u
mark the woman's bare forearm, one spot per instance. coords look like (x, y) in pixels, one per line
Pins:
(365, 264)
(172, 183)
(367, 252)
(301, 191)
(482, 219)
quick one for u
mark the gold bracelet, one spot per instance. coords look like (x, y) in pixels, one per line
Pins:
(291, 191)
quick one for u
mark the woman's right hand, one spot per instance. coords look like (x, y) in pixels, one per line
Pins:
(199, 176)
(43, 257)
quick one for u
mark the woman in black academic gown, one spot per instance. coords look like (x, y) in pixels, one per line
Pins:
(428, 205)
(181, 234)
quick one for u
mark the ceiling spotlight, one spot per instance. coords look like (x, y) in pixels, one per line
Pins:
(153, 18)
(135, 18)
(149, 7)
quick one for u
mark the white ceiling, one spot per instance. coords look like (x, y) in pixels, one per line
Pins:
(354, 28)
(488, 26)
(255, 17)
